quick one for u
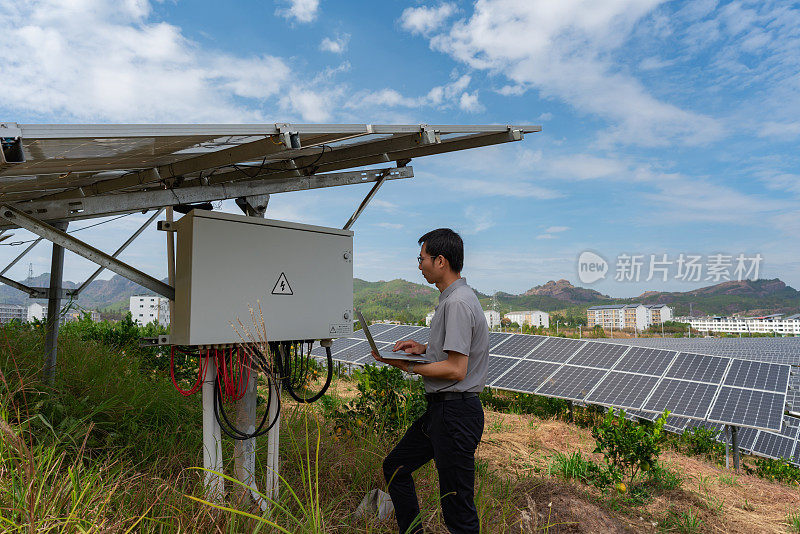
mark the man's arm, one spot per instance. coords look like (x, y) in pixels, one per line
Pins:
(453, 368)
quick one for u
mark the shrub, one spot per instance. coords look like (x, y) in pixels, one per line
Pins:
(386, 403)
(778, 470)
(701, 441)
(629, 447)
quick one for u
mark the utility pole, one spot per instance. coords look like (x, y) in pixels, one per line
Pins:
(30, 271)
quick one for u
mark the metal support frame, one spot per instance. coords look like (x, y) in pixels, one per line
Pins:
(119, 251)
(364, 203)
(77, 246)
(72, 209)
(53, 311)
(735, 446)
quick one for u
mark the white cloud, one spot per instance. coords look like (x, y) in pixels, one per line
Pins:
(424, 20)
(390, 226)
(337, 45)
(301, 10)
(779, 129)
(557, 229)
(545, 236)
(441, 96)
(99, 60)
(569, 57)
(479, 219)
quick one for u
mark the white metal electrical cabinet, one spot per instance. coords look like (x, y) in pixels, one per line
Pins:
(226, 265)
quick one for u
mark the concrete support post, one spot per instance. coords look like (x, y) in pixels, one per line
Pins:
(53, 310)
(212, 438)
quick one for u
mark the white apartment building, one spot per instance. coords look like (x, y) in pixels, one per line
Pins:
(148, 308)
(492, 318)
(36, 311)
(9, 312)
(530, 318)
(767, 324)
(633, 316)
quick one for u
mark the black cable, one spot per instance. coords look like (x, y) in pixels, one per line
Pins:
(294, 378)
(228, 428)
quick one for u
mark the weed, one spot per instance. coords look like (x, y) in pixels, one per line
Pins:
(662, 478)
(728, 480)
(686, 522)
(701, 441)
(793, 520)
(778, 470)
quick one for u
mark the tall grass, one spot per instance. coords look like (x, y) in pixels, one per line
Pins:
(111, 447)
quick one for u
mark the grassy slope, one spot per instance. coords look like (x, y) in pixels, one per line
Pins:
(109, 446)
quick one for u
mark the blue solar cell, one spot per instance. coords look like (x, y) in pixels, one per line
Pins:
(596, 354)
(698, 368)
(688, 399)
(556, 349)
(645, 361)
(571, 382)
(758, 375)
(622, 390)
(518, 346)
(525, 376)
(747, 407)
(497, 366)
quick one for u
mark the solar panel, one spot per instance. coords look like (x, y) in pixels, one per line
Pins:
(495, 338)
(758, 375)
(698, 367)
(525, 376)
(676, 423)
(571, 382)
(398, 333)
(422, 335)
(774, 445)
(623, 390)
(689, 399)
(498, 366)
(354, 352)
(645, 361)
(556, 349)
(746, 407)
(600, 355)
(518, 346)
(747, 437)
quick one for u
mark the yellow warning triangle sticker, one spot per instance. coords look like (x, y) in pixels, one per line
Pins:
(282, 286)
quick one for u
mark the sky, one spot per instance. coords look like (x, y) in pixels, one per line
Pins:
(669, 129)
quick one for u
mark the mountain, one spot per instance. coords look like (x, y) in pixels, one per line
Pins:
(409, 302)
(746, 297)
(100, 294)
(564, 291)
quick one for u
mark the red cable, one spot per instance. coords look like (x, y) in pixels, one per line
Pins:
(201, 374)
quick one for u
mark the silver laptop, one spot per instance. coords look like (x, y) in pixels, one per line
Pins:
(388, 354)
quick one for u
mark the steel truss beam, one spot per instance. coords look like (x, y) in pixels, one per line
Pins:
(63, 239)
(105, 205)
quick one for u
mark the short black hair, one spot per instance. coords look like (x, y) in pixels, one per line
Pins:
(447, 243)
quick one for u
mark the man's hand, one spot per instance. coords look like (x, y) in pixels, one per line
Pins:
(410, 347)
(400, 364)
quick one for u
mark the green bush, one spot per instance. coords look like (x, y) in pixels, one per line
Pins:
(575, 466)
(778, 470)
(387, 402)
(524, 403)
(629, 447)
(701, 441)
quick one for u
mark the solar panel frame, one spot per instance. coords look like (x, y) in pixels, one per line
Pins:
(556, 350)
(681, 397)
(712, 368)
(750, 406)
(622, 390)
(571, 382)
(518, 346)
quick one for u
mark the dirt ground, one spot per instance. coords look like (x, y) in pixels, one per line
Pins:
(723, 500)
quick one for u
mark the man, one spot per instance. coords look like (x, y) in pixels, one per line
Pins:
(451, 427)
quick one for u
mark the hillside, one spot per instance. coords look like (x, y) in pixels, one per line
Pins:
(409, 302)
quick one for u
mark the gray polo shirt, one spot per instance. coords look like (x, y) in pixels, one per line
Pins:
(459, 324)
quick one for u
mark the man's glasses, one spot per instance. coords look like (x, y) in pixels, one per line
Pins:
(420, 258)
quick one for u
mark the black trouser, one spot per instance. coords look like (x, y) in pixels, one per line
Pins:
(448, 432)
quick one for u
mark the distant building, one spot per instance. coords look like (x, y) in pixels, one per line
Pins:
(77, 315)
(9, 312)
(529, 318)
(148, 308)
(633, 316)
(492, 318)
(36, 311)
(776, 323)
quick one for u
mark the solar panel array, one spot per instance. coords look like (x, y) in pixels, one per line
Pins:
(782, 445)
(708, 388)
(784, 350)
